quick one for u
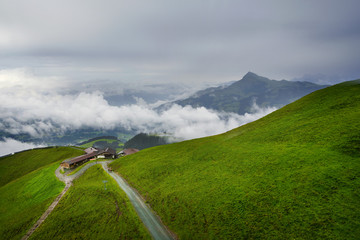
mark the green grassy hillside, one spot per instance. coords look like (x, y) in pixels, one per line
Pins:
(88, 211)
(294, 174)
(25, 199)
(28, 186)
(20, 164)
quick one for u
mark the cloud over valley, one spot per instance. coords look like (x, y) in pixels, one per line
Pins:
(33, 111)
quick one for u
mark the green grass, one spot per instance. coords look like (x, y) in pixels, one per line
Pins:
(20, 164)
(87, 211)
(294, 174)
(25, 199)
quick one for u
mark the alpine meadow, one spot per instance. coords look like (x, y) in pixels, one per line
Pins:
(294, 174)
(179, 120)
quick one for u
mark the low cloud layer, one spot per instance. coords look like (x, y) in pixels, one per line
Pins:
(39, 114)
(36, 112)
(8, 146)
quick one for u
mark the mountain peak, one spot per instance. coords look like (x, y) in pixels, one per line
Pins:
(250, 74)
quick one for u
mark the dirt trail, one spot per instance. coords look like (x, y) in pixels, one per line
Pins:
(46, 213)
(68, 181)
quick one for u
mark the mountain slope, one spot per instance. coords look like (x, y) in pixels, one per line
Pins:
(88, 211)
(292, 174)
(28, 186)
(240, 96)
(20, 164)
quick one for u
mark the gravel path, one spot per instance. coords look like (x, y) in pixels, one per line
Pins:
(152, 222)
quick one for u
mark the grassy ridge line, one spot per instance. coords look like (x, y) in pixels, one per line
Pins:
(25, 199)
(87, 211)
(292, 174)
(20, 164)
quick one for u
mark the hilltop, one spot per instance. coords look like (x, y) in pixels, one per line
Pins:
(240, 96)
(294, 174)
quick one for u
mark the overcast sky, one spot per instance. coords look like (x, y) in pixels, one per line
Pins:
(189, 41)
(61, 60)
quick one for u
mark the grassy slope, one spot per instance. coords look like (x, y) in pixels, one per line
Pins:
(25, 199)
(292, 174)
(28, 185)
(87, 211)
(20, 164)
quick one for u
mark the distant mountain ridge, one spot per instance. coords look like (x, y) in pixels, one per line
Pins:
(240, 96)
(143, 140)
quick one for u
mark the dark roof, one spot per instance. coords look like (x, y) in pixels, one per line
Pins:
(90, 150)
(129, 151)
(107, 151)
(90, 155)
(81, 158)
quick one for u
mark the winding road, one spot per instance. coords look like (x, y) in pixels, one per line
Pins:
(151, 221)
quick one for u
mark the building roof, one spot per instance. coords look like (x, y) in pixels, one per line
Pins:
(90, 150)
(90, 153)
(107, 151)
(81, 158)
(129, 151)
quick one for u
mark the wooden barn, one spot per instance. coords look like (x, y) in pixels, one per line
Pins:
(70, 163)
(91, 154)
(107, 153)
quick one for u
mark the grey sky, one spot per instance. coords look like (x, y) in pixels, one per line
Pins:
(189, 41)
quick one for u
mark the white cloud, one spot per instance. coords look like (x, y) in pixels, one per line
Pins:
(9, 146)
(37, 114)
(21, 78)
(28, 109)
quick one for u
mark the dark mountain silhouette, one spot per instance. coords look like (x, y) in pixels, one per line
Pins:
(143, 140)
(240, 96)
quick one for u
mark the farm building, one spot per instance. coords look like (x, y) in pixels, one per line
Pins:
(128, 151)
(90, 150)
(70, 163)
(91, 154)
(107, 153)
